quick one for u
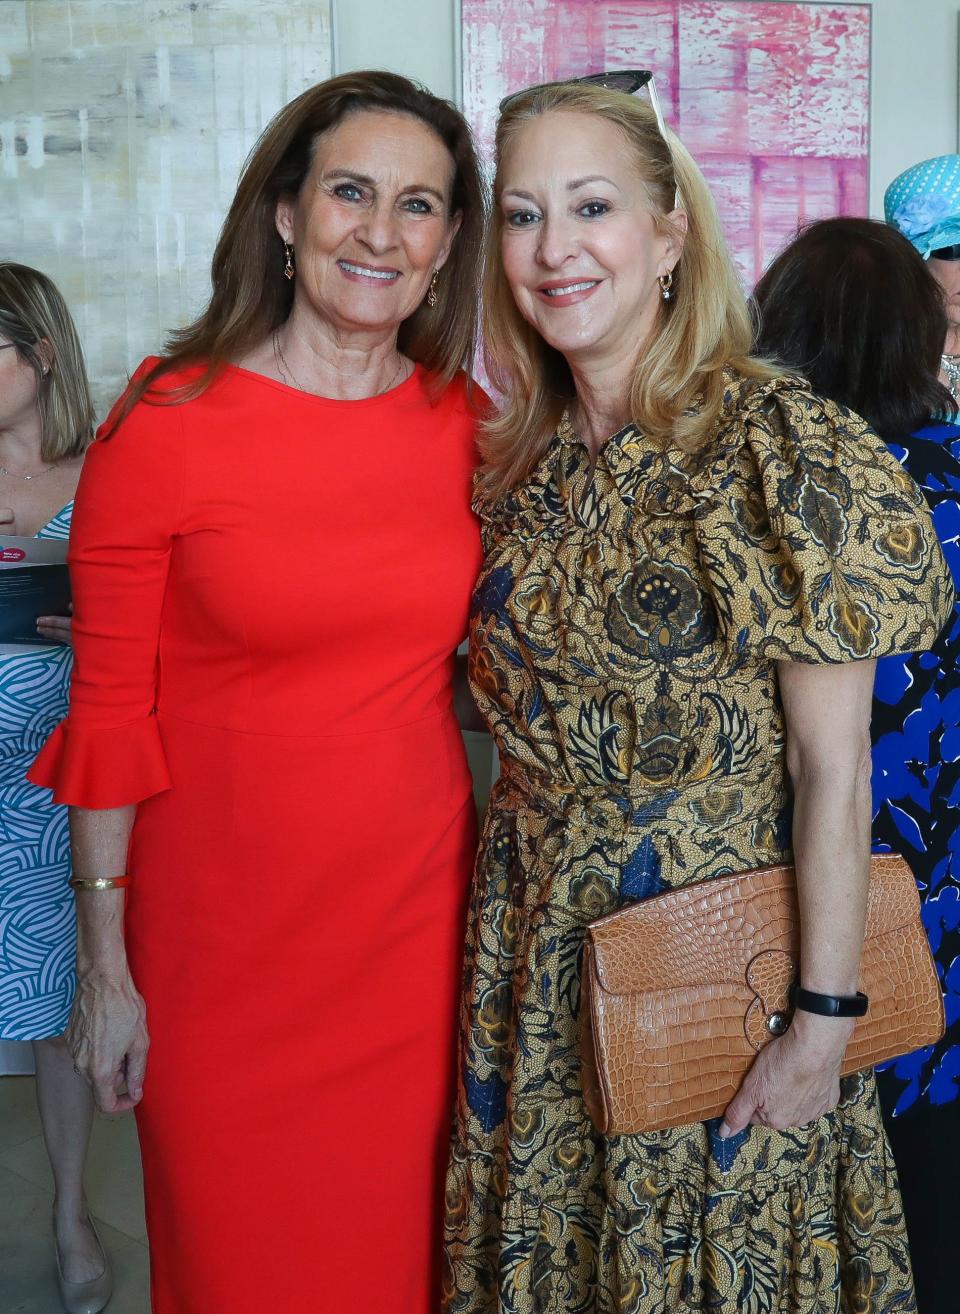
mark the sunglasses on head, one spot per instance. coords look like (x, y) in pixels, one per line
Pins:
(629, 81)
(946, 252)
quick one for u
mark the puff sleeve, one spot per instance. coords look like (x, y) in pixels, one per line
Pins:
(816, 546)
(108, 751)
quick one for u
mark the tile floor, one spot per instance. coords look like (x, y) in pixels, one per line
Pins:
(27, 1281)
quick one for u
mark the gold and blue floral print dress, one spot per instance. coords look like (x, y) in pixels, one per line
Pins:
(625, 632)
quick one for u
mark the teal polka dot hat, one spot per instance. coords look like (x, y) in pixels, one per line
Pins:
(924, 203)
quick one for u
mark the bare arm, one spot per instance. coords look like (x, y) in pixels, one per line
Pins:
(828, 757)
(827, 708)
(107, 1033)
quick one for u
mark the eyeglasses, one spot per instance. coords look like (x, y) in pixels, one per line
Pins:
(629, 81)
(946, 252)
(5, 345)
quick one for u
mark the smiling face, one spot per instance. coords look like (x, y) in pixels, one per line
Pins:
(372, 221)
(580, 246)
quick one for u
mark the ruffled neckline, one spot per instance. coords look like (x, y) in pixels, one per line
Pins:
(658, 481)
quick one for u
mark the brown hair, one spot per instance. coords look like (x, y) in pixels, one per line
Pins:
(677, 388)
(251, 298)
(853, 306)
(32, 311)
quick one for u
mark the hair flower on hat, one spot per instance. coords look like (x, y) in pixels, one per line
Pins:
(919, 214)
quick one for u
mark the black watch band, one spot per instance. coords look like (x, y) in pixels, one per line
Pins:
(829, 1005)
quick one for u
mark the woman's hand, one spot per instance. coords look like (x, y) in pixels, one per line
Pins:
(55, 628)
(795, 1079)
(108, 1039)
(107, 1035)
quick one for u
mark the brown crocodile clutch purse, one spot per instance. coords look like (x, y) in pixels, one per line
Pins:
(681, 992)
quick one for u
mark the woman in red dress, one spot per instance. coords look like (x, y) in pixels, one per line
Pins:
(272, 557)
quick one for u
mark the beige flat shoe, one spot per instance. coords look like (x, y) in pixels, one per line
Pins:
(85, 1297)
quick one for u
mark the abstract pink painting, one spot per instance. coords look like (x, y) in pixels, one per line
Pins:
(772, 99)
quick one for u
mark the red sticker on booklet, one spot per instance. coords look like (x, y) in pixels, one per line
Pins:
(12, 554)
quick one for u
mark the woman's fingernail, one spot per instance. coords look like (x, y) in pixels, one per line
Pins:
(724, 1131)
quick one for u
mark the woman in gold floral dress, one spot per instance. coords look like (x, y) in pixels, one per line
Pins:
(691, 565)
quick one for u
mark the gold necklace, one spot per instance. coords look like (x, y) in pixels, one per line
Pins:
(280, 360)
(283, 368)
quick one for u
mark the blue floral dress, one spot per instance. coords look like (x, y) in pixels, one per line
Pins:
(916, 794)
(624, 639)
(916, 776)
(37, 932)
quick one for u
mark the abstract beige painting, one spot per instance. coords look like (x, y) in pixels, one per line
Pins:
(123, 128)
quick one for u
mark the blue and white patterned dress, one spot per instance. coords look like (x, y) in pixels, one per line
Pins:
(37, 932)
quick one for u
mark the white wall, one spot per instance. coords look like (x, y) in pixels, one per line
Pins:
(914, 68)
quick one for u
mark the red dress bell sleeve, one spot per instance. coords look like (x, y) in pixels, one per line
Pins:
(108, 751)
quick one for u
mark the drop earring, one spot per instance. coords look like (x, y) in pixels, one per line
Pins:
(432, 289)
(666, 286)
(288, 269)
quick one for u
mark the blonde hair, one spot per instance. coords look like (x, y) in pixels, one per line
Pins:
(705, 327)
(32, 311)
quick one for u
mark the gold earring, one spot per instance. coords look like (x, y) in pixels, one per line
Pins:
(288, 269)
(666, 285)
(432, 289)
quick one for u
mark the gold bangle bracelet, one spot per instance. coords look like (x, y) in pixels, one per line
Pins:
(99, 882)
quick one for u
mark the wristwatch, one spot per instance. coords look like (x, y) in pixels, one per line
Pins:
(829, 1005)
